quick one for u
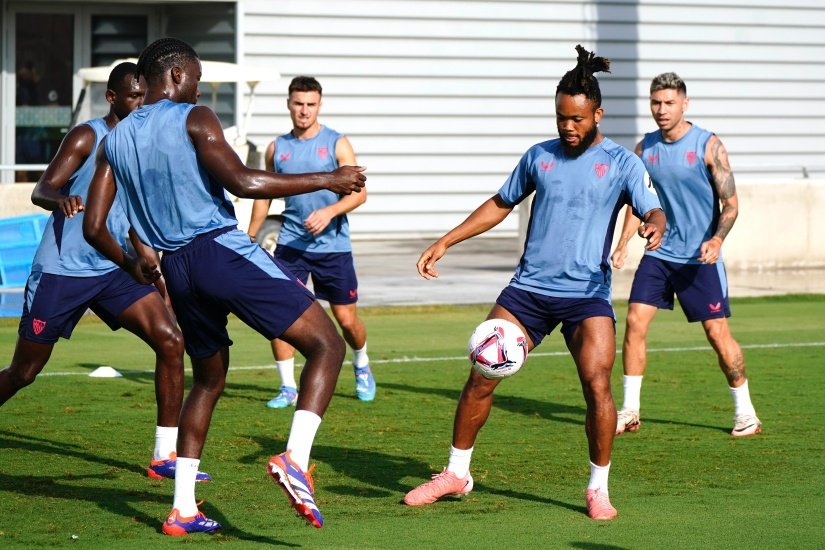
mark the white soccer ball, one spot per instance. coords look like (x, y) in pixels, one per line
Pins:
(497, 348)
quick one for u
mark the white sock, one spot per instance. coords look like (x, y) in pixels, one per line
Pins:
(742, 400)
(632, 392)
(598, 477)
(286, 369)
(459, 461)
(185, 472)
(301, 436)
(166, 439)
(359, 357)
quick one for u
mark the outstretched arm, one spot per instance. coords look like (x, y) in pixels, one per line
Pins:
(488, 215)
(215, 154)
(717, 162)
(73, 152)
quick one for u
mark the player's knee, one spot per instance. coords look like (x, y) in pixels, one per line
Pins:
(349, 324)
(328, 343)
(717, 333)
(636, 326)
(21, 376)
(596, 387)
(169, 343)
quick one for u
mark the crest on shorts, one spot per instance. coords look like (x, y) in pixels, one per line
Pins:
(601, 169)
(715, 308)
(38, 325)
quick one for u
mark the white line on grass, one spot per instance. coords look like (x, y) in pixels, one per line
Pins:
(415, 359)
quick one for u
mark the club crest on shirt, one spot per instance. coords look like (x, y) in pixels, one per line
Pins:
(601, 169)
(323, 152)
(653, 159)
(545, 166)
(283, 157)
(690, 157)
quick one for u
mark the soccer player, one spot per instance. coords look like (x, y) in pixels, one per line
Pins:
(69, 276)
(689, 169)
(580, 181)
(170, 164)
(314, 238)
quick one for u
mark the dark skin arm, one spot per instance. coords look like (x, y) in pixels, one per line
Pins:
(716, 158)
(653, 228)
(73, 152)
(215, 154)
(100, 197)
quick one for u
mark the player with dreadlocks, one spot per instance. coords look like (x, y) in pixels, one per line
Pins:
(580, 181)
(170, 163)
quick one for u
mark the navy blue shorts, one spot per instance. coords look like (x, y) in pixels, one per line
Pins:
(333, 273)
(540, 314)
(53, 304)
(223, 272)
(702, 289)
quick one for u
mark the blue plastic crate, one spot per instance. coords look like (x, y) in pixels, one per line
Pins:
(14, 274)
(20, 229)
(19, 238)
(18, 253)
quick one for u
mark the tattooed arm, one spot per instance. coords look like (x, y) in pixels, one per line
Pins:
(716, 158)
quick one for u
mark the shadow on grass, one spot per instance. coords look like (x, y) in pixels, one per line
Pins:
(116, 501)
(557, 412)
(382, 474)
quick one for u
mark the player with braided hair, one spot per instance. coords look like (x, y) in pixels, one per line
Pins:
(170, 163)
(580, 182)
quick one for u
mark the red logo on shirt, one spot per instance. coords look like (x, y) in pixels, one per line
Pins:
(323, 152)
(284, 157)
(690, 157)
(653, 159)
(545, 166)
(601, 169)
(715, 308)
(38, 325)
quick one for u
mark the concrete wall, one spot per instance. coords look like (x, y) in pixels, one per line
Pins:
(779, 226)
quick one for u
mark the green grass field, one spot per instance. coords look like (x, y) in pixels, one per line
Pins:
(73, 449)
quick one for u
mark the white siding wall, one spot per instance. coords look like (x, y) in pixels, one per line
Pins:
(440, 98)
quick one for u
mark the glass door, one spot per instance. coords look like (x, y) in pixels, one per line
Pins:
(44, 60)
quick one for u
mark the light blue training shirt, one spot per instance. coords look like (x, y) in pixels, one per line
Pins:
(684, 185)
(573, 215)
(301, 156)
(63, 250)
(168, 196)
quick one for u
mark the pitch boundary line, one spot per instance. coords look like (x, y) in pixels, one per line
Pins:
(415, 359)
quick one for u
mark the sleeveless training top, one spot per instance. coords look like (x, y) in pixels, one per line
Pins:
(63, 250)
(300, 156)
(168, 196)
(684, 185)
(573, 215)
